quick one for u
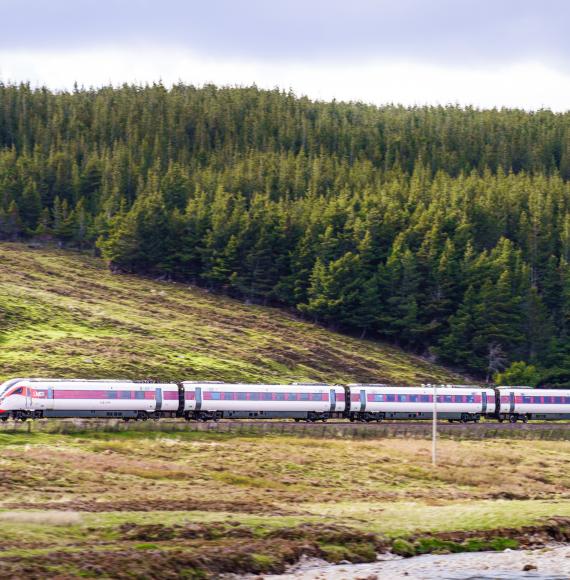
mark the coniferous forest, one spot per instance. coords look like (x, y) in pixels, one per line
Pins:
(444, 230)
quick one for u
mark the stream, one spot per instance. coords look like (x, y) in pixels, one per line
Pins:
(551, 563)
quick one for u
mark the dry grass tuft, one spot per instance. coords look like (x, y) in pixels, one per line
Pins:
(44, 518)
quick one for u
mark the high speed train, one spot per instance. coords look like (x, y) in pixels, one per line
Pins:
(34, 398)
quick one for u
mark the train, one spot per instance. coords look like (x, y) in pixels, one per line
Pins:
(36, 398)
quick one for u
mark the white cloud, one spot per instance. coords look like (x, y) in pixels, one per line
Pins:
(530, 85)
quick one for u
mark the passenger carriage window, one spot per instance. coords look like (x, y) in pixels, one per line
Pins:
(305, 397)
(125, 394)
(280, 396)
(216, 396)
(267, 396)
(242, 396)
(558, 400)
(526, 399)
(139, 394)
(448, 398)
(402, 398)
(390, 398)
(425, 398)
(112, 394)
(413, 398)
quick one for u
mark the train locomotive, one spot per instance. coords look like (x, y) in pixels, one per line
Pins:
(33, 398)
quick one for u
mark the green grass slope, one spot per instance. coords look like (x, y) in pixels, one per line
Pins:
(64, 314)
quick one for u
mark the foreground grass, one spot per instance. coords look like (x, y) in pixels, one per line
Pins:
(205, 503)
(65, 314)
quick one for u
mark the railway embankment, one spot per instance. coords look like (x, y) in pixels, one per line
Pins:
(554, 431)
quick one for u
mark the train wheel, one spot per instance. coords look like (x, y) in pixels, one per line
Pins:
(500, 419)
(525, 419)
(297, 420)
(513, 418)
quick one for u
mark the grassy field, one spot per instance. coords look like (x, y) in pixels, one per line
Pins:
(65, 314)
(199, 504)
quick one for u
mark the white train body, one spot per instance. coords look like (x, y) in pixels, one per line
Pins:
(36, 398)
(377, 402)
(528, 403)
(86, 398)
(299, 401)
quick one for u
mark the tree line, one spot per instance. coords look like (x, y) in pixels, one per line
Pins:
(445, 230)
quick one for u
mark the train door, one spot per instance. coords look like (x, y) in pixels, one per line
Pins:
(198, 398)
(512, 402)
(28, 392)
(362, 401)
(483, 403)
(333, 400)
(50, 402)
(158, 398)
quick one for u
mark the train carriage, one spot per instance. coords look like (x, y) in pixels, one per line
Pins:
(375, 402)
(310, 402)
(524, 403)
(36, 398)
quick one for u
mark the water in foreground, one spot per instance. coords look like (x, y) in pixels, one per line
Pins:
(550, 564)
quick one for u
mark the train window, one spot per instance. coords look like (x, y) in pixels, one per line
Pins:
(558, 400)
(470, 398)
(112, 394)
(305, 397)
(267, 396)
(279, 396)
(18, 391)
(425, 398)
(125, 394)
(255, 396)
(139, 394)
(402, 398)
(242, 396)
(390, 398)
(216, 396)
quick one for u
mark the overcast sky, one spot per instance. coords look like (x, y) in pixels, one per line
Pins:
(487, 53)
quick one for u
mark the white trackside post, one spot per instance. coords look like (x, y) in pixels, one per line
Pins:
(434, 428)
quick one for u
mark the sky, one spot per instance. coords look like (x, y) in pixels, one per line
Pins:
(486, 53)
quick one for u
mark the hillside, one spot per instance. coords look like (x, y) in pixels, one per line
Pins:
(65, 314)
(446, 229)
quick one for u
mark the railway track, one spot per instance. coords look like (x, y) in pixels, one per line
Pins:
(329, 429)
